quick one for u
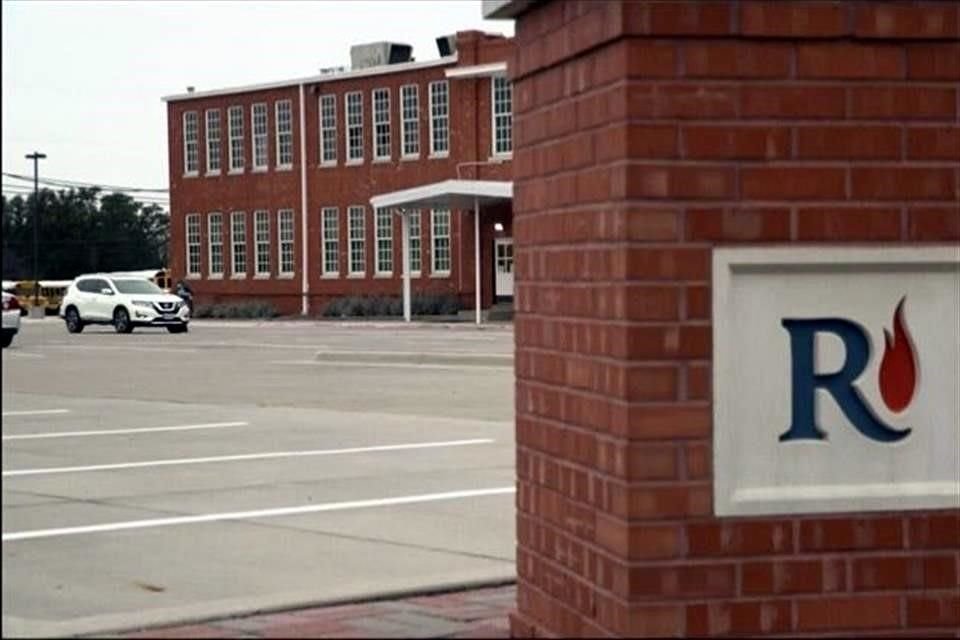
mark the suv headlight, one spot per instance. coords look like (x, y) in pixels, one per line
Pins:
(142, 303)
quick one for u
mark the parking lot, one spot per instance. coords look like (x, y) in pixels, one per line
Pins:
(154, 478)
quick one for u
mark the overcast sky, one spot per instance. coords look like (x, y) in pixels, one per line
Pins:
(83, 81)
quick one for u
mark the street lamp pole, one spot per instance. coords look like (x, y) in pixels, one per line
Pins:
(36, 156)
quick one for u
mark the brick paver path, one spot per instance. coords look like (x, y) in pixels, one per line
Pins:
(478, 613)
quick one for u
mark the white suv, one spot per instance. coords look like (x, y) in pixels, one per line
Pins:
(125, 302)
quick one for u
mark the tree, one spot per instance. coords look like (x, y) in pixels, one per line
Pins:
(82, 231)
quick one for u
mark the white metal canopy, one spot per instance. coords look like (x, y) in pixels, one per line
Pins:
(455, 195)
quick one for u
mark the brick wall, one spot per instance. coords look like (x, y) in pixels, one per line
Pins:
(646, 133)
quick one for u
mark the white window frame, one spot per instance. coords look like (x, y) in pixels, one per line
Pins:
(348, 158)
(416, 243)
(328, 129)
(434, 237)
(261, 242)
(191, 144)
(238, 244)
(380, 131)
(214, 241)
(356, 238)
(330, 241)
(212, 117)
(383, 240)
(410, 125)
(435, 119)
(192, 244)
(261, 135)
(237, 161)
(285, 246)
(284, 135)
(503, 119)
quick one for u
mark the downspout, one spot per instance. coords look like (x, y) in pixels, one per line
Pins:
(305, 280)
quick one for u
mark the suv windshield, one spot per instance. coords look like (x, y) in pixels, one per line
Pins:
(136, 286)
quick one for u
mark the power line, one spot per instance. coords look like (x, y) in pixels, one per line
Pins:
(78, 183)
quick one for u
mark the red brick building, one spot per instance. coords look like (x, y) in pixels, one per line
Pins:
(270, 185)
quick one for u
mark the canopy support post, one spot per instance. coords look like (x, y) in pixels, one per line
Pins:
(405, 238)
(476, 255)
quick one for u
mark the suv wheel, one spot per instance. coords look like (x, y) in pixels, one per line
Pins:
(121, 321)
(74, 323)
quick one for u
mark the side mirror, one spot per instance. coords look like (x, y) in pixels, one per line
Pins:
(106, 291)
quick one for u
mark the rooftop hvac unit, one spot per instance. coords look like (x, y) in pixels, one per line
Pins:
(447, 45)
(376, 54)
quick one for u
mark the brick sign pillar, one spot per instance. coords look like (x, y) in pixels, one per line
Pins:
(646, 134)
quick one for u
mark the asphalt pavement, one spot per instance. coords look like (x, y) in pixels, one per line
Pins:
(156, 479)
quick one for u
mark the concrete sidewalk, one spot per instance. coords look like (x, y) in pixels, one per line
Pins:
(477, 613)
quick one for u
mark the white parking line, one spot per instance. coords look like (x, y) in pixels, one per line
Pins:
(21, 354)
(247, 456)
(404, 365)
(38, 412)
(112, 432)
(92, 347)
(260, 513)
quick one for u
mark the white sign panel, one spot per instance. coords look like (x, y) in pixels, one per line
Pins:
(836, 379)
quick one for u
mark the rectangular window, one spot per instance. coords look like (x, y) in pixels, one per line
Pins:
(381, 124)
(259, 118)
(191, 152)
(285, 232)
(354, 103)
(357, 231)
(502, 116)
(213, 142)
(193, 245)
(330, 230)
(384, 230)
(215, 244)
(415, 260)
(235, 117)
(261, 242)
(440, 235)
(284, 134)
(238, 246)
(410, 119)
(439, 118)
(328, 129)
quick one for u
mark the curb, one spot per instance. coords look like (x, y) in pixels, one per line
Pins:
(375, 596)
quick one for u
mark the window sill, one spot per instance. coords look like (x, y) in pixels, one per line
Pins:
(193, 276)
(439, 156)
(440, 274)
(286, 167)
(500, 157)
(215, 276)
(383, 276)
(410, 158)
(327, 165)
(353, 163)
(238, 276)
(386, 160)
(330, 276)
(285, 276)
(357, 276)
(236, 172)
(262, 276)
(193, 174)
(259, 170)
(212, 174)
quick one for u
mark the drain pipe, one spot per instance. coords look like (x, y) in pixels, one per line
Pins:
(305, 279)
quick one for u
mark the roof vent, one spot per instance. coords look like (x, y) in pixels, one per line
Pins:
(326, 71)
(190, 89)
(447, 45)
(376, 54)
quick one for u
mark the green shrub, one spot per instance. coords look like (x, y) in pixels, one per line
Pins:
(246, 310)
(427, 304)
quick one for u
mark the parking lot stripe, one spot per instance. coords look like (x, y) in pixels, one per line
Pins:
(113, 432)
(91, 347)
(246, 456)
(391, 365)
(39, 412)
(259, 513)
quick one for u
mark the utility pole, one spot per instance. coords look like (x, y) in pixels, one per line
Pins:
(36, 156)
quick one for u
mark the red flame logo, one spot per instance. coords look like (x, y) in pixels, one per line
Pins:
(898, 369)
